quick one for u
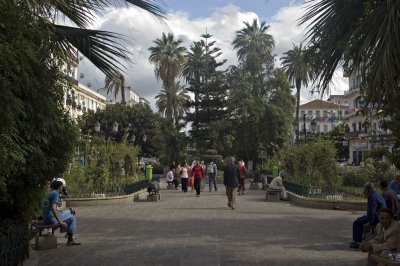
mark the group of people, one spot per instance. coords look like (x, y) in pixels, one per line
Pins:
(193, 176)
(382, 214)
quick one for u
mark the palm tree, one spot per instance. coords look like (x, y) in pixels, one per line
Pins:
(253, 43)
(116, 83)
(102, 48)
(362, 36)
(168, 57)
(180, 100)
(297, 65)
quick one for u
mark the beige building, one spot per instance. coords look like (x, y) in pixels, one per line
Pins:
(78, 98)
(131, 97)
(320, 116)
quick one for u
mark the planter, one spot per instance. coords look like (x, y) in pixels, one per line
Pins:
(107, 201)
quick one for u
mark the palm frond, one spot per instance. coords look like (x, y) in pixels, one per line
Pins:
(102, 48)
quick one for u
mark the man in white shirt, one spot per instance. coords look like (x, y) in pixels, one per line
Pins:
(277, 183)
(170, 177)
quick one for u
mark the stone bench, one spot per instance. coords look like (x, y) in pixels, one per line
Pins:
(45, 241)
(272, 194)
(254, 185)
(384, 261)
(154, 196)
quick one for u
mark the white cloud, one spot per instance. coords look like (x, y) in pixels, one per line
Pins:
(142, 29)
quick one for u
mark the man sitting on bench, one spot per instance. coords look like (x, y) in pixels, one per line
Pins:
(277, 184)
(66, 219)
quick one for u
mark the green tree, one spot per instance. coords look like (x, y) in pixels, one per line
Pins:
(180, 100)
(168, 56)
(37, 135)
(298, 67)
(116, 83)
(253, 45)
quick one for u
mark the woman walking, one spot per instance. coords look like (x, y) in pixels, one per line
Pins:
(185, 173)
(243, 174)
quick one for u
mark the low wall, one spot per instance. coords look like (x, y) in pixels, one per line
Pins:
(327, 204)
(118, 200)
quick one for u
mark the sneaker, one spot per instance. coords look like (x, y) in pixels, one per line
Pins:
(354, 245)
(73, 243)
(197, 195)
(229, 205)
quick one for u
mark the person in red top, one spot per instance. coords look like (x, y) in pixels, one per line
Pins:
(243, 173)
(198, 173)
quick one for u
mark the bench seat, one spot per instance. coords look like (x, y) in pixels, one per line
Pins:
(377, 258)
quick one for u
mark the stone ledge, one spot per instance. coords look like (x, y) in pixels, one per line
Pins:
(118, 200)
(327, 204)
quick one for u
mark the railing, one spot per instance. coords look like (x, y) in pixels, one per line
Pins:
(142, 184)
(14, 245)
(340, 193)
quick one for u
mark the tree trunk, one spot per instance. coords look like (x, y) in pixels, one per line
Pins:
(123, 101)
(298, 86)
(168, 111)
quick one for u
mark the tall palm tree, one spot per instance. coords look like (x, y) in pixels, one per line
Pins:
(168, 56)
(102, 48)
(116, 83)
(253, 43)
(298, 67)
(180, 100)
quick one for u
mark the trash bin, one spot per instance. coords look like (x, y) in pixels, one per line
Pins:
(275, 171)
(149, 172)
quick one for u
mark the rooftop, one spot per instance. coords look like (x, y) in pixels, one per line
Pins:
(321, 104)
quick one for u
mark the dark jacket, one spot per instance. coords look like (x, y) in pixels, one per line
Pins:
(231, 175)
(392, 202)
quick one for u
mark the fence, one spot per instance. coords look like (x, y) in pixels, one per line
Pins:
(339, 193)
(14, 245)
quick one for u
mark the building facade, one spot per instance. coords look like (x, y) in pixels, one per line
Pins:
(365, 123)
(131, 97)
(318, 116)
(78, 98)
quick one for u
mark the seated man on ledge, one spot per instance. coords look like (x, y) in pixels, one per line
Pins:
(170, 177)
(277, 183)
(66, 219)
(387, 234)
(375, 202)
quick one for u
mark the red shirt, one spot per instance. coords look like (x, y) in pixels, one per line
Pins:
(198, 171)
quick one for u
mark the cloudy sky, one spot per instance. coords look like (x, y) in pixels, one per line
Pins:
(188, 20)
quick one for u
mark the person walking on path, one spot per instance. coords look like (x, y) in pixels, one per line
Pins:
(231, 182)
(198, 173)
(243, 174)
(212, 173)
(185, 173)
(375, 203)
(277, 183)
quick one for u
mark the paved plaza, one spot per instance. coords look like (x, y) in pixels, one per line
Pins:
(182, 229)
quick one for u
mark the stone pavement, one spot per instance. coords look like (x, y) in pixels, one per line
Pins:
(182, 229)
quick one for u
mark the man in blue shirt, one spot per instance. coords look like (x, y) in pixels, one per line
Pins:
(395, 185)
(66, 219)
(375, 202)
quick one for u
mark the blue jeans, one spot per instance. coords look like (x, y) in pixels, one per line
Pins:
(69, 218)
(358, 227)
(211, 180)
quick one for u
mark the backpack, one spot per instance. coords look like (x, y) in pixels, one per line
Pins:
(210, 169)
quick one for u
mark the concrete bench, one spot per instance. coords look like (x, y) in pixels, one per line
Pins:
(154, 196)
(45, 241)
(385, 261)
(272, 195)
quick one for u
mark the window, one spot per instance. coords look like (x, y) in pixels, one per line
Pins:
(318, 114)
(318, 128)
(325, 114)
(354, 126)
(325, 128)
